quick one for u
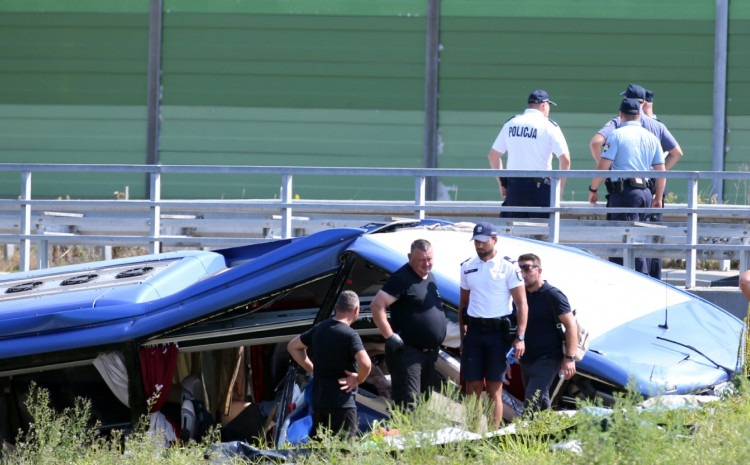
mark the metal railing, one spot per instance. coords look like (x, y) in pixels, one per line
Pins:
(714, 231)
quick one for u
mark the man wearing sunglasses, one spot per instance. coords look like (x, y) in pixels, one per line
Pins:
(544, 361)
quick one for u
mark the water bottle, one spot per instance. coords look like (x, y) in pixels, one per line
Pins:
(510, 356)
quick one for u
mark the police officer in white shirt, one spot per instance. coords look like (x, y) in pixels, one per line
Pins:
(489, 282)
(531, 140)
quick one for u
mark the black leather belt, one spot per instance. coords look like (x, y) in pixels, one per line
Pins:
(495, 323)
(536, 180)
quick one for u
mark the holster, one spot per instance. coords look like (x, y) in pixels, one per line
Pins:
(508, 328)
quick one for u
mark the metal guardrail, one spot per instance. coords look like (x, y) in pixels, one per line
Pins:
(715, 231)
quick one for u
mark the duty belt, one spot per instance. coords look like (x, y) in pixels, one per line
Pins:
(494, 323)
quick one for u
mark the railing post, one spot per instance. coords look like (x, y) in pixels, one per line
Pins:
(692, 232)
(25, 225)
(155, 194)
(554, 217)
(419, 197)
(42, 254)
(745, 255)
(286, 211)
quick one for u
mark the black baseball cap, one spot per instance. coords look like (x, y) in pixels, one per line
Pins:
(483, 232)
(634, 91)
(649, 95)
(630, 106)
(540, 96)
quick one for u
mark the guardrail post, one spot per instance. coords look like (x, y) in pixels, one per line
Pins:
(286, 210)
(155, 194)
(628, 255)
(42, 254)
(554, 217)
(25, 225)
(419, 197)
(692, 232)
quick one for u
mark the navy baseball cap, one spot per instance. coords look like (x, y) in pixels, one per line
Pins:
(634, 91)
(649, 95)
(630, 106)
(483, 232)
(540, 96)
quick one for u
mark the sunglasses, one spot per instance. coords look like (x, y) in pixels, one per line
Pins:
(528, 267)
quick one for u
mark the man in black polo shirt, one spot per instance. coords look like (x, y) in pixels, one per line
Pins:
(339, 364)
(544, 360)
(417, 325)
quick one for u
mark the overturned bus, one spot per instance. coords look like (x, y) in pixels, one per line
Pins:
(197, 337)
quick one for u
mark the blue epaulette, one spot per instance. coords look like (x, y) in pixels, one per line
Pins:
(553, 122)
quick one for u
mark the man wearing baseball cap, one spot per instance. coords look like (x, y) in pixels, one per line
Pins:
(666, 139)
(531, 140)
(488, 283)
(630, 148)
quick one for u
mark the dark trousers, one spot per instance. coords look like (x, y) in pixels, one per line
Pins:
(538, 375)
(412, 374)
(526, 193)
(341, 421)
(654, 264)
(634, 198)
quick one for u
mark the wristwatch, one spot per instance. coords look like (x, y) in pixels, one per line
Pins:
(570, 357)
(521, 336)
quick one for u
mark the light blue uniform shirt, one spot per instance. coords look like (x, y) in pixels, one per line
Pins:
(633, 148)
(654, 126)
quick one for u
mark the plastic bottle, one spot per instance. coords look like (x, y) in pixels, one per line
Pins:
(511, 356)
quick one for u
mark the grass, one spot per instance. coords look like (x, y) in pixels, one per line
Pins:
(626, 434)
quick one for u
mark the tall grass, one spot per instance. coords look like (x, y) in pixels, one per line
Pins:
(696, 433)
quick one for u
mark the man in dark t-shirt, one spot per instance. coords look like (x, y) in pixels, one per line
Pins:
(417, 325)
(544, 360)
(338, 362)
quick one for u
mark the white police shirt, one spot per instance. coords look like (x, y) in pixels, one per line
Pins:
(530, 140)
(490, 283)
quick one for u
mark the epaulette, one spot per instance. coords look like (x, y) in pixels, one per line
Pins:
(509, 259)
(553, 122)
(511, 118)
(466, 260)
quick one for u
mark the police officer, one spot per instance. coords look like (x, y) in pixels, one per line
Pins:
(630, 148)
(488, 283)
(666, 139)
(668, 144)
(530, 140)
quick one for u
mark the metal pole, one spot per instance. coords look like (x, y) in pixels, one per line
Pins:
(154, 86)
(25, 225)
(431, 94)
(287, 181)
(155, 229)
(718, 145)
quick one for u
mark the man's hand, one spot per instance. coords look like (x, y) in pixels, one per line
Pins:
(395, 343)
(349, 383)
(593, 197)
